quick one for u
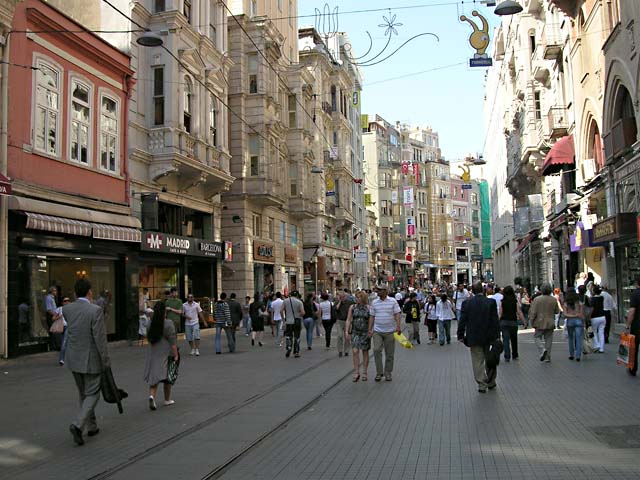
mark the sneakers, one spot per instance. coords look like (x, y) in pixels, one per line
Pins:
(152, 403)
(192, 352)
(169, 402)
(378, 377)
(543, 357)
(197, 352)
(296, 355)
(339, 354)
(387, 377)
(346, 354)
(61, 363)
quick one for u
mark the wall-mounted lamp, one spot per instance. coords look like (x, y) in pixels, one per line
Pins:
(149, 39)
(236, 219)
(316, 170)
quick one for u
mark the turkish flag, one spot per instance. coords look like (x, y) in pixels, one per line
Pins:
(405, 168)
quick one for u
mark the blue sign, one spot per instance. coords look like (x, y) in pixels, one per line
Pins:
(480, 62)
(467, 186)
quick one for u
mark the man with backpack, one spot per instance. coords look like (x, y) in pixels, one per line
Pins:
(412, 311)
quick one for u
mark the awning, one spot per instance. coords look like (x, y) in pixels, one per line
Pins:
(403, 262)
(114, 232)
(526, 241)
(562, 153)
(308, 254)
(426, 264)
(38, 221)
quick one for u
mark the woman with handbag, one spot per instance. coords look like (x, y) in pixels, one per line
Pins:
(357, 333)
(162, 355)
(574, 323)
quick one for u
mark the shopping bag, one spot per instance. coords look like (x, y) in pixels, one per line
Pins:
(402, 340)
(57, 326)
(626, 350)
(172, 369)
(587, 341)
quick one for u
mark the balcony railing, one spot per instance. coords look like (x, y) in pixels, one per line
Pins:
(552, 41)
(558, 121)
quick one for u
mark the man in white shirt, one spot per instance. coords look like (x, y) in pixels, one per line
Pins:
(191, 311)
(609, 306)
(459, 296)
(497, 297)
(276, 317)
(384, 321)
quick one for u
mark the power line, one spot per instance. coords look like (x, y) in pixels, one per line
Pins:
(435, 69)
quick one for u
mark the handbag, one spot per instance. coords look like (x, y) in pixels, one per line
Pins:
(172, 369)
(57, 326)
(495, 349)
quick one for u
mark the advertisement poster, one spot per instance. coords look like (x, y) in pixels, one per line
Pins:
(407, 196)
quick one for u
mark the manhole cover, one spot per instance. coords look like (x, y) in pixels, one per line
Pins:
(626, 436)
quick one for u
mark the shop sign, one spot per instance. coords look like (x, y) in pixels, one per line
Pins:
(558, 222)
(477, 258)
(290, 255)
(263, 252)
(165, 243)
(5, 185)
(613, 228)
(360, 256)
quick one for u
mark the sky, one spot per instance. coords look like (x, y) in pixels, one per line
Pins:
(448, 96)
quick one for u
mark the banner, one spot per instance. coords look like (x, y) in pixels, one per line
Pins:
(411, 227)
(367, 200)
(394, 197)
(404, 168)
(407, 195)
(364, 121)
(330, 186)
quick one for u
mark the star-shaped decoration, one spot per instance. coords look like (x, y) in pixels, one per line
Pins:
(390, 25)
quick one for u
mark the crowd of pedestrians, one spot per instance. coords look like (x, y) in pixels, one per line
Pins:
(488, 321)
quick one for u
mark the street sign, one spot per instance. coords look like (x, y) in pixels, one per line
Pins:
(477, 258)
(467, 186)
(5, 185)
(360, 256)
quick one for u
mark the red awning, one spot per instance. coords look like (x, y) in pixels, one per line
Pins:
(526, 241)
(562, 153)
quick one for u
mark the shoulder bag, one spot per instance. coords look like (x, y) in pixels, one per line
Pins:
(172, 369)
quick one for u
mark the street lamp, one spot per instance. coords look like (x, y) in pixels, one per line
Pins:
(149, 39)
(508, 7)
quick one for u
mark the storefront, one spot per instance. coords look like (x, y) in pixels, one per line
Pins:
(187, 263)
(621, 231)
(54, 251)
(263, 267)
(291, 274)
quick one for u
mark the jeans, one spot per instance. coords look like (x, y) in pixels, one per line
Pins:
(343, 343)
(247, 325)
(544, 340)
(386, 341)
(292, 336)
(598, 325)
(328, 325)
(309, 324)
(575, 331)
(510, 340)
(219, 328)
(444, 329)
(63, 348)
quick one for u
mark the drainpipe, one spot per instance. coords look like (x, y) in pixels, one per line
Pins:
(4, 220)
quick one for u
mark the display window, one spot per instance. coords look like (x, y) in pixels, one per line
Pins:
(628, 259)
(155, 280)
(38, 273)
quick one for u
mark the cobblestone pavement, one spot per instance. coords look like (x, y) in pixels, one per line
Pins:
(255, 414)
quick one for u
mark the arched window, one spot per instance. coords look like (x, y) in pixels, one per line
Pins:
(594, 148)
(188, 103)
(623, 107)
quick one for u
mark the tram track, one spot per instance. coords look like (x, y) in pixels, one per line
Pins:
(218, 470)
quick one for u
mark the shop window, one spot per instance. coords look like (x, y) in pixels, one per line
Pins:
(158, 95)
(109, 134)
(47, 109)
(80, 130)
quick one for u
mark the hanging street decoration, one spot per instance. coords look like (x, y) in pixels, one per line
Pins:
(479, 40)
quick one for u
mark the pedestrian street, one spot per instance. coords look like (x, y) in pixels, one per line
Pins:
(255, 414)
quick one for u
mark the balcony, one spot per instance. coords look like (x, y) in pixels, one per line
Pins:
(552, 41)
(302, 208)
(558, 118)
(326, 108)
(345, 216)
(265, 191)
(619, 140)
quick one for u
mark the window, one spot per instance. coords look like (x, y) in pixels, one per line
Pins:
(188, 103)
(80, 122)
(537, 105)
(476, 232)
(291, 13)
(334, 104)
(293, 231)
(213, 19)
(213, 121)
(257, 226)
(158, 96)
(186, 9)
(254, 155)
(283, 232)
(253, 73)
(280, 5)
(270, 227)
(159, 6)
(532, 41)
(293, 180)
(108, 134)
(474, 215)
(253, 8)
(46, 128)
(474, 199)
(384, 208)
(292, 111)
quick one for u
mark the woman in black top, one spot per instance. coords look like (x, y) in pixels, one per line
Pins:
(509, 314)
(309, 319)
(257, 319)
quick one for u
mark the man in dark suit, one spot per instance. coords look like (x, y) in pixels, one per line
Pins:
(86, 356)
(477, 328)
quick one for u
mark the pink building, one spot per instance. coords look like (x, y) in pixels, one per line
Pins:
(70, 215)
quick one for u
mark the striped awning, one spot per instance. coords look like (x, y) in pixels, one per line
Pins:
(39, 221)
(114, 232)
